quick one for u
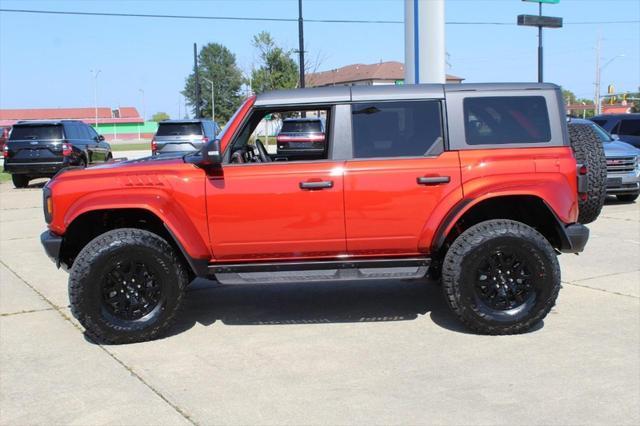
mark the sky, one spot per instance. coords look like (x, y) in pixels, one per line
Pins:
(45, 60)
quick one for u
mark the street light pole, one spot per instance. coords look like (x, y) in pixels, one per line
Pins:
(540, 56)
(95, 92)
(599, 75)
(301, 42)
(144, 112)
(213, 99)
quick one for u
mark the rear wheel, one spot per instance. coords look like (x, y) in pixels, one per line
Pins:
(588, 150)
(126, 286)
(627, 198)
(501, 277)
(20, 181)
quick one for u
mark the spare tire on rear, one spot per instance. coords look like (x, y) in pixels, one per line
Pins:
(588, 150)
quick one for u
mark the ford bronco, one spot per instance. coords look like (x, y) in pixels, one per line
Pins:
(474, 185)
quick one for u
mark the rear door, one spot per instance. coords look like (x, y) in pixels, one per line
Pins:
(398, 175)
(36, 143)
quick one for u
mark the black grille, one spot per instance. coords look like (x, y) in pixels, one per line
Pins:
(621, 164)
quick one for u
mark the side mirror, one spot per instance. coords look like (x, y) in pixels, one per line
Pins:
(615, 137)
(211, 155)
(100, 138)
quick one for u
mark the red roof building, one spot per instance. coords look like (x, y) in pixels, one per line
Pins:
(105, 115)
(391, 72)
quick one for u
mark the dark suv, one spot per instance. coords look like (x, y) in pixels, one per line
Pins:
(625, 127)
(42, 148)
(183, 136)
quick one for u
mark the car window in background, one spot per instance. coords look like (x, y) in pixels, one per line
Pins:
(600, 122)
(92, 133)
(301, 126)
(506, 120)
(36, 132)
(629, 128)
(602, 134)
(179, 129)
(395, 129)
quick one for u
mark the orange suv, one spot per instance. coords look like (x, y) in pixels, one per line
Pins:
(475, 185)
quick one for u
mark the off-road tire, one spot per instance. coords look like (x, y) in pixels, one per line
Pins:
(20, 181)
(627, 198)
(588, 150)
(86, 285)
(461, 264)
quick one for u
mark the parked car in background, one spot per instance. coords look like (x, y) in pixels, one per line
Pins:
(626, 127)
(42, 148)
(183, 136)
(301, 136)
(623, 163)
(4, 135)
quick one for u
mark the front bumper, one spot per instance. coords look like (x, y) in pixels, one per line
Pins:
(575, 238)
(623, 183)
(52, 243)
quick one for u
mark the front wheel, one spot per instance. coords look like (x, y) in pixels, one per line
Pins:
(501, 277)
(126, 286)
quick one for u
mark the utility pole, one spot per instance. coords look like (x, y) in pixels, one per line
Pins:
(424, 42)
(195, 70)
(301, 42)
(95, 92)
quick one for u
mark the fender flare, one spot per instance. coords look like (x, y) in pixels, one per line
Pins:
(158, 203)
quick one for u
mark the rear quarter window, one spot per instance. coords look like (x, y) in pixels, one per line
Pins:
(179, 129)
(503, 120)
(36, 132)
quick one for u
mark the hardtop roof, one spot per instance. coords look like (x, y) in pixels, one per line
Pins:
(331, 94)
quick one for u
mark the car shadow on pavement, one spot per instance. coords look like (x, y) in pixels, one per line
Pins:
(313, 303)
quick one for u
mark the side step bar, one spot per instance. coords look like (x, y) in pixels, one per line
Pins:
(331, 270)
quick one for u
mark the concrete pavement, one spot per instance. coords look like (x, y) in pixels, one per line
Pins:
(363, 353)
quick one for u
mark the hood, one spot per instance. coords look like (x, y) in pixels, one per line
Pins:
(619, 149)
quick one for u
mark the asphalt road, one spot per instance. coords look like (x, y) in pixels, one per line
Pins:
(361, 353)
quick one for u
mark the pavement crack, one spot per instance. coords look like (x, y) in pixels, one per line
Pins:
(576, 284)
(30, 311)
(59, 310)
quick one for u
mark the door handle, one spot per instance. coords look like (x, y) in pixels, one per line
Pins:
(317, 185)
(433, 180)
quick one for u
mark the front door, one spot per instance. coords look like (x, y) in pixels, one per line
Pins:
(268, 205)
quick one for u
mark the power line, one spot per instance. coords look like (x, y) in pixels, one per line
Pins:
(240, 18)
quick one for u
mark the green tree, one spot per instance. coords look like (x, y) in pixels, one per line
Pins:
(277, 69)
(159, 116)
(568, 96)
(217, 64)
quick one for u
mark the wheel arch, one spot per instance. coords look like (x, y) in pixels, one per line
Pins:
(525, 208)
(89, 224)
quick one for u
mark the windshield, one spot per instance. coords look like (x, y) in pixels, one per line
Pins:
(301, 126)
(47, 131)
(602, 134)
(179, 129)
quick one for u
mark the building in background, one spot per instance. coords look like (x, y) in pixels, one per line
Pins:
(122, 123)
(391, 72)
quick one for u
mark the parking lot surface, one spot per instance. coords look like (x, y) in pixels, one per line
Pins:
(379, 352)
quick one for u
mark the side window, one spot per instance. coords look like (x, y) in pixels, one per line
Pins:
(283, 135)
(71, 131)
(91, 133)
(629, 127)
(396, 129)
(506, 120)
